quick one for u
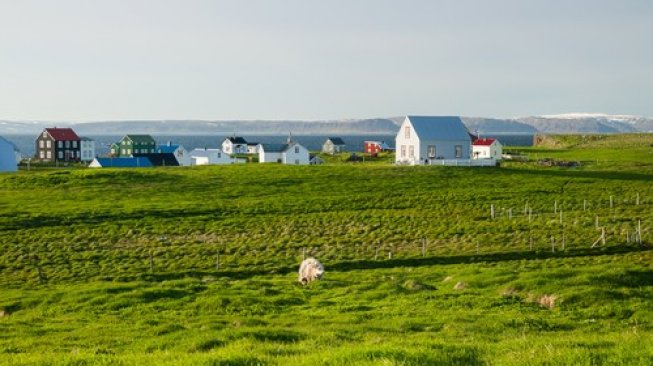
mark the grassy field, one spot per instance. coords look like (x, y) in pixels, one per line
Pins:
(119, 266)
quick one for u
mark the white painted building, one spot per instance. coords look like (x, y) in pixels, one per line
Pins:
(209, 157)
(487, 149)
(427, 139)
(87, 149)
(234, 145)
(180, 153)
(8, 156)
(292, 153)
(252, 147)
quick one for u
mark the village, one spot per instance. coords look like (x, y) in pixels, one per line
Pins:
(420, 140)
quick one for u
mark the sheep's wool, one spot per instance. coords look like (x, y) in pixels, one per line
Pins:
(310, 270)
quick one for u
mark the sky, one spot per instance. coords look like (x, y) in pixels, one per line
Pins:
(92, 60)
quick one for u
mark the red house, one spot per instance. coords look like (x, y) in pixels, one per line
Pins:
(373, 147)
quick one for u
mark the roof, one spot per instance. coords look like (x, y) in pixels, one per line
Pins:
(136, 162)
(164, 159)
(252, 143)
(2, 139)
(336, 140)
(204, 153)
(483, 142)
(139, 138)
(439, 128)
(278, 148)
(63, 134)
(167, 148)
(237, 140)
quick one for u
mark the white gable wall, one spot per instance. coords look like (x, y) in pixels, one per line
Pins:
(407, 141)
(296, 154)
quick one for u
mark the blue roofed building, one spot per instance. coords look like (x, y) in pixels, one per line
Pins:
(134, 162)
(183, 157)
(432, 140)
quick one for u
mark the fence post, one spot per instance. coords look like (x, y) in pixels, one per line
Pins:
(151, 262)
(584, 205)
(555, 206)
(492, 211)
(610, 202)
(603, 235)
(637, 201)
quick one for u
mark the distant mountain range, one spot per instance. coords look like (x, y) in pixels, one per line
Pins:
(562, 123)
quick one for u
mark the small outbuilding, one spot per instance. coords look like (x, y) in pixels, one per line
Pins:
(333, 145)
(487, 148)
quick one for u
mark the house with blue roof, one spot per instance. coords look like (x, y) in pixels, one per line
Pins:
(288, 153)
(134, 162)
(432, 140)
(183, 157)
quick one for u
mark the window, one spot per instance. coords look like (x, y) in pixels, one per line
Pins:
(219, 155)
(49, 154)
(407, 132)
(123, 152)
(296, 149)
(41, 154)
(45, 134)
(41, 144)
(60, 144)
(459, 151)
(74, 144)
(60, 154)
(67, 144)
(129, 151)
(403, 151)
(48, 144)
(430, 151)
(411, 151)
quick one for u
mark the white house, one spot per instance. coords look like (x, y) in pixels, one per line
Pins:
(234, 145)
(209, 157)
(292, 153)
(333, 145)
(8, 156)
(487, 149)
(87, 149)
(180, 153)
(427, 139)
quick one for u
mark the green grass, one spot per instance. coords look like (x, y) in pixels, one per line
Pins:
(90, 234)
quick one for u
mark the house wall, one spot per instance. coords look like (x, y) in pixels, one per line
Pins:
(446, 149)
(270, 157)
(296, 155)
(87, 150)
(493, 151)
(7, 157)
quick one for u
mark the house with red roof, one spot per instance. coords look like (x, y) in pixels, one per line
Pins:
(58, 144)
(487, 148)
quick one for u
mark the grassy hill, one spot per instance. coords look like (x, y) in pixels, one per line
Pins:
(119, 266)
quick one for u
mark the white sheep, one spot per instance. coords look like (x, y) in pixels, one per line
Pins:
(310, 270)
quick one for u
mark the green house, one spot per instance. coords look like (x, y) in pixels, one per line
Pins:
(134, 144)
